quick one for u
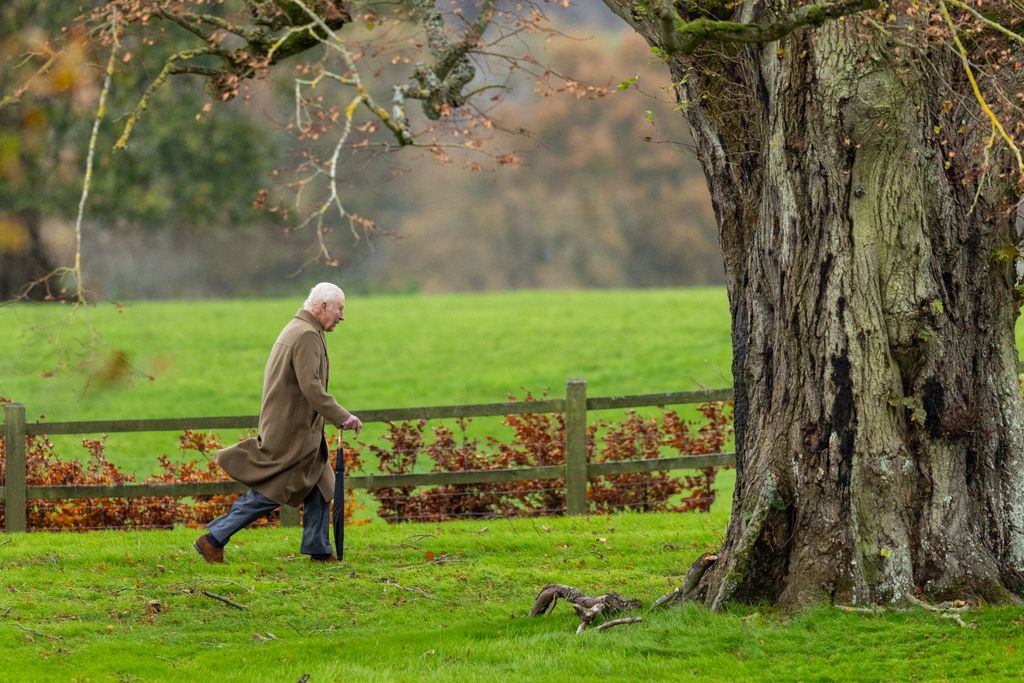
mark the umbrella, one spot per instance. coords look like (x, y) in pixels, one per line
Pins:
(339, 501)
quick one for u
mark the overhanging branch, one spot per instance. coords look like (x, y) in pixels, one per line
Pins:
(679, 36)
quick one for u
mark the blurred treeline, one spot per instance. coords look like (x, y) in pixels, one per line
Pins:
(605, 193)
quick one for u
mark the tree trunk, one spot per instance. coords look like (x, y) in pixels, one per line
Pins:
(879, 439)
(24, 263)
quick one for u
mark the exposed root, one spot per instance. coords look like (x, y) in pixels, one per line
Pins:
(740, 555)
(946, 610)
(690, 582)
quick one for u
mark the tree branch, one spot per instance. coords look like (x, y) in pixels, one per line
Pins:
(684, 37)
(987, 22)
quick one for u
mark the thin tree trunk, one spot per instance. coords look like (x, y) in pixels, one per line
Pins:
(878, 417)
(24, 263)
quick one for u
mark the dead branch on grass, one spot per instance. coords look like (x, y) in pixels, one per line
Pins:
(226, 601)
(587, 608)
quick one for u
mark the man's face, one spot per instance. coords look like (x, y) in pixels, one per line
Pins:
(331, 313)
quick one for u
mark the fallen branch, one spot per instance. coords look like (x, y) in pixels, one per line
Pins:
(587, 608)
(619, 622)
(226, 601)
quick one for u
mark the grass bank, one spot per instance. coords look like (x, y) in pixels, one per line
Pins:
(78, 607)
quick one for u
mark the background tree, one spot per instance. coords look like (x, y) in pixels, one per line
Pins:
(51, 88)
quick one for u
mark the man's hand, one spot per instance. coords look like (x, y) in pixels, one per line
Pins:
(353, 423)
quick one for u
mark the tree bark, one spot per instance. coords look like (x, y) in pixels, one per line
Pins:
(879, 431)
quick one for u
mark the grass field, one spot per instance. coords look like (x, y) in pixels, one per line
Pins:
(80, 606)
(77, 607)
(206, 358)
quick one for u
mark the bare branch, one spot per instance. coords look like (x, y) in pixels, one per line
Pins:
(101, 109)
(170, 68)
(19, 93)
(987, 22)
(996, 124)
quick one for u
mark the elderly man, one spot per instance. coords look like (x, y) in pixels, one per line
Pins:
(287, 463)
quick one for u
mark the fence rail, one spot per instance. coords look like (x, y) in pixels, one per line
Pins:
(16, 493)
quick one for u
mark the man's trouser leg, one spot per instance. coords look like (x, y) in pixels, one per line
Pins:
(316, 530)
(249, 507)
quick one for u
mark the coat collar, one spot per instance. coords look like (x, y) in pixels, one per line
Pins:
(309, 318)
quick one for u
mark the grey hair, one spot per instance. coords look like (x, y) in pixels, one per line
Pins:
(322, 292)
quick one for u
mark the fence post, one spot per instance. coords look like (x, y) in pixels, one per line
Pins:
(14, 485)
(289, 516)
(576, 447)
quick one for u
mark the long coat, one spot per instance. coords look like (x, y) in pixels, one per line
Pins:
(286, 461)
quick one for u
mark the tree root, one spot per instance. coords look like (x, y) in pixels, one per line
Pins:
(692, 579)
(740, 555)
(946, 610)
(587, 608)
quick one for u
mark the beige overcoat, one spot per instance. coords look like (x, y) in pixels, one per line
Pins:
(285, 461)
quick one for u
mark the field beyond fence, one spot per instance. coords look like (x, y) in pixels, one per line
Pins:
(554, 465)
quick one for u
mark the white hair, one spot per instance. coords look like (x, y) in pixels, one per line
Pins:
(323, 292)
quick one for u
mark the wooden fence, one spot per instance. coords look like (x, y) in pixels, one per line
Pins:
(576, 471)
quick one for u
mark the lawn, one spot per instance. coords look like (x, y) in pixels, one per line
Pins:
(127, 606)
(206, 358)
(78, 607)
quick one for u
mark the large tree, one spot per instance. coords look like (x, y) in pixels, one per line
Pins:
(866, 208)
(864, 167)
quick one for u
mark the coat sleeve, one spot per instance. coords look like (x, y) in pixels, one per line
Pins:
(306, 355)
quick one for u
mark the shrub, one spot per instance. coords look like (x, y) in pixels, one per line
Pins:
(538, 440)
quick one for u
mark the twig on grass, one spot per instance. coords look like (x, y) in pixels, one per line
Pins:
(34, 632)
(414, 540)
(392, 582)
(443, 558)
(226, 601)
(9, 540)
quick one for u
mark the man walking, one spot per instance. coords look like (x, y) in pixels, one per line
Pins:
(287, 463)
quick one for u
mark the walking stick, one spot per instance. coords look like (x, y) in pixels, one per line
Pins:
(338, 516)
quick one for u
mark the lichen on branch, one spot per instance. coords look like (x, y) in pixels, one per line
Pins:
(683, 37)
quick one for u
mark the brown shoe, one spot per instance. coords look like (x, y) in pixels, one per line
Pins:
(210, 554)
(330, 559)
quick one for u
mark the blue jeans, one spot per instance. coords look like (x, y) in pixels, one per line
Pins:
(251, 505)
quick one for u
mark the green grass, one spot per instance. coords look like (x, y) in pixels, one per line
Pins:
(206, 358)
(74, 607)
